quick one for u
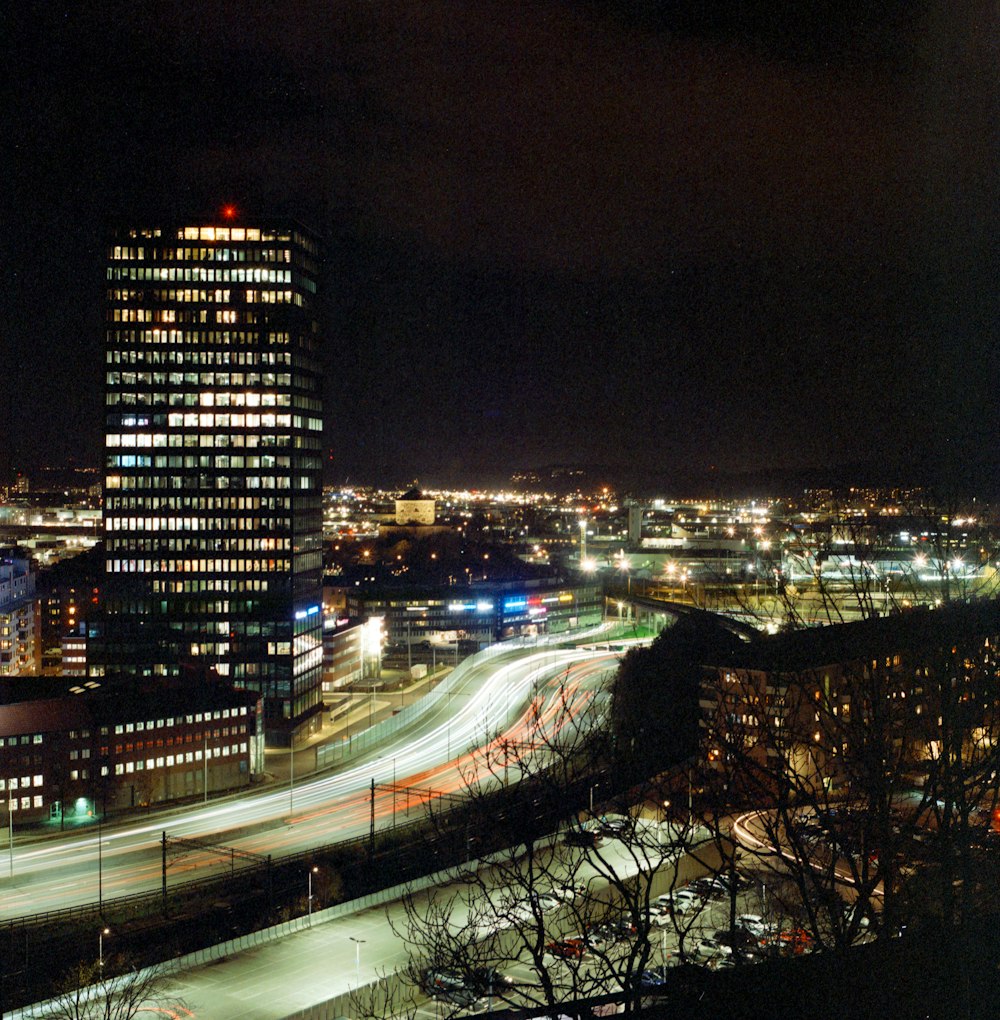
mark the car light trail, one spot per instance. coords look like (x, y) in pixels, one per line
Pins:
(527, 701)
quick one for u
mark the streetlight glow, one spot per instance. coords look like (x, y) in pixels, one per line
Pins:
(312, 871)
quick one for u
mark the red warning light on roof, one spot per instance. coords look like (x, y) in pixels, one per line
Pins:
(229, 212)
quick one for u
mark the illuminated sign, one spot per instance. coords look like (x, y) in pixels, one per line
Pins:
(461, 607)
(521, 603)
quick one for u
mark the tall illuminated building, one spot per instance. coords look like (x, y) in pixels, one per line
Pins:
(212, 486)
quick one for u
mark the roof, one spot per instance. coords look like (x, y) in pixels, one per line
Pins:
(912, 629)
(53, 704)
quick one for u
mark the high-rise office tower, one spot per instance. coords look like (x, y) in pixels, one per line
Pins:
(212, 487)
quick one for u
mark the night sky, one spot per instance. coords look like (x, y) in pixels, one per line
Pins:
(669, 238)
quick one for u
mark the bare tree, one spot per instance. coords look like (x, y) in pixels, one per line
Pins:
(91, 991)
(567, 904)
(828, 735)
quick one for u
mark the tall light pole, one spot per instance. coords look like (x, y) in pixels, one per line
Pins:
(357, 960)
(100, 946)
(10, 823)
(100, 862)
(291, 774)
(312, 871)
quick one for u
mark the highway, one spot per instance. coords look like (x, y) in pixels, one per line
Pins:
(509, 692)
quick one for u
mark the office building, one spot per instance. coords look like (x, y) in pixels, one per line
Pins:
(212, 486)
(424, 617)
(72, 750)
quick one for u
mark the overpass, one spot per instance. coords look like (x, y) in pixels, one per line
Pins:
(655, 602)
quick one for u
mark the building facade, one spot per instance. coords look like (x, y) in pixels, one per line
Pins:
(414, 508)
(212, 485)
(817, 700)
(344, 649)
(479, 614)
(70, 751)
(17, 615)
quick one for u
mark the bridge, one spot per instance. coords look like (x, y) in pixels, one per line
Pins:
(654, 601)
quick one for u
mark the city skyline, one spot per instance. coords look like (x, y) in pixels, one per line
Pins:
(684, 242)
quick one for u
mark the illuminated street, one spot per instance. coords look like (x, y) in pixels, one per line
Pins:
(490, 696)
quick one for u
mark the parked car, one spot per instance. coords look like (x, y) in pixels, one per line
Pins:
(567, 949)
(680, 901)
(708, 948)
(657, 977)
(619, 929)
(566, 893)
(586, 838)
(719, 886)
(517, 913)
(712, 888)
(597, 936)
(794, 941)
(754, 924)
(738, 940)
(657, 915)
(489, 981)
(614, 826)
(546, 901)
(447, 985)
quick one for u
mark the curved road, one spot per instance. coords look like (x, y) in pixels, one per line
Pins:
(512, 694)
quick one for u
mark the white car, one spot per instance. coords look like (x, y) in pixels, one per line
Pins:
(657, 916)
(754, 925)
(547, 901)
(709, 949)
(566, 893)
(680, 901)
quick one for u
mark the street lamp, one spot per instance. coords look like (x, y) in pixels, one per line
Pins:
(10, 823)
(291, 773)
(357, 959)
(100, 946)
(312, 871)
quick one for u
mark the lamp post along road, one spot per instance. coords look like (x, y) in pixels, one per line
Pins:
(291, 774)
(10, 827)
(357, 960)
(309, 901)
